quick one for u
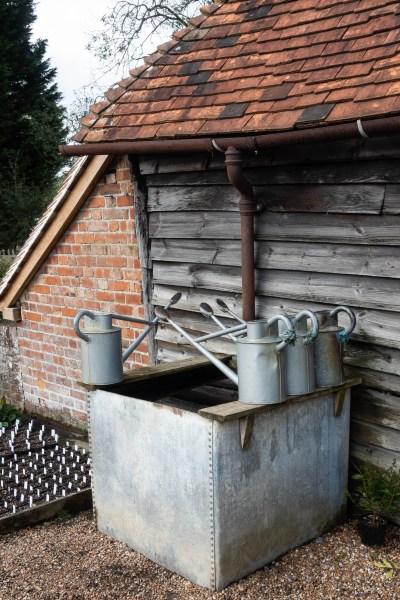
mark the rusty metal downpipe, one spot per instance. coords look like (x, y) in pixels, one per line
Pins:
(247, 208)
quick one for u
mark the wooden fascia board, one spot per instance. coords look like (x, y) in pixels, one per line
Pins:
(80, 192)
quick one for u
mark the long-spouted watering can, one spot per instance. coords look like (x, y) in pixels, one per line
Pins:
(328, 347)
(299, 359)
(101, 344)
(208, 312)
(260, 358)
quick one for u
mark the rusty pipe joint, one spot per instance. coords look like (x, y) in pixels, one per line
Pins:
(247, 203)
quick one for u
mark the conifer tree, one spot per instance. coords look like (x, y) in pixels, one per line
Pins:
(32, 123)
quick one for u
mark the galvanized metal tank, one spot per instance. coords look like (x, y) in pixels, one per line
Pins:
(177, 485)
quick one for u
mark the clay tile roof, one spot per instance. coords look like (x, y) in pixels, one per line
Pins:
(258, 66)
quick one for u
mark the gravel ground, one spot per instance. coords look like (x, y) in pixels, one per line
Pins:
(68, 559)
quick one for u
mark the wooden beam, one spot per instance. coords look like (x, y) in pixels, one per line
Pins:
(157, 371)
(237, 410)
(12, 313)
(57, 227)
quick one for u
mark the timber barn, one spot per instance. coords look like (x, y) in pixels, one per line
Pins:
(281, 114)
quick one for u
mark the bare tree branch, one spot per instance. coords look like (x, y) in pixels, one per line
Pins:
(132, 25)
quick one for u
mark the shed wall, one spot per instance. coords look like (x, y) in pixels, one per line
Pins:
(329, 234)
(95, 266)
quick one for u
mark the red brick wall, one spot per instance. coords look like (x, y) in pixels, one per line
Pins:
(95, 266)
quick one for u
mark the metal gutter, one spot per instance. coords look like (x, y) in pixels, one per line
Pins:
(326, 133)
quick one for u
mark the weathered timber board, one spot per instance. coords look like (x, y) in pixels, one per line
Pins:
(181, 225)
(236, 410)
(364, 292)
(143, 249)
(171, 352)
(46, 510)
(285, 198)
(376, 358)
(177, 162)
(378, 456)
(372, 261)
(345, 150)
(376, 407)
(374, 326)
(218, 252)
(328, 152)
(338, 229)
(299, 227)
(377, 380)
(362, 432)
(376, 171)
(391, 204)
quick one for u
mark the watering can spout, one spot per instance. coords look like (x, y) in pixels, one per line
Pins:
(163, 315)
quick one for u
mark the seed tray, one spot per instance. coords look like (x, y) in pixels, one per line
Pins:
(38, 466)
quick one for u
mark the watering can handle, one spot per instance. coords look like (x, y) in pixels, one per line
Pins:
(314, 323)
(289, 337)
(344, 335)
(78, 317)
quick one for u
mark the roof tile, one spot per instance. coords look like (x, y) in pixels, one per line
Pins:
(98, 107)
(234, 125)
(153, 58)
(342, 94)
(345, 110)
(277, 92)
(376, 91)
(315, 113)
(392, 74)
(388, 61)
(180, 130)
(260, 65)
(355, 70)
(114, 93)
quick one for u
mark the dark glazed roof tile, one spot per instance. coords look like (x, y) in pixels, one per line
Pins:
(315, 113)
(246, 66)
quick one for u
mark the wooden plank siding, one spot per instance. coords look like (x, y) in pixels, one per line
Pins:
(329, 234)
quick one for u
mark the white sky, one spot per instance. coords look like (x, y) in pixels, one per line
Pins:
(66, 25)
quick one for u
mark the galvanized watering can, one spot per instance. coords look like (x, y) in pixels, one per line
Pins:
(328, 347)
(101, 344)
(260, 357)
(299, 359)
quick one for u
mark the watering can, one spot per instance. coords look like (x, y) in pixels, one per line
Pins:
(299, 359)
(101, 344)
(328, 347)
(260, 357)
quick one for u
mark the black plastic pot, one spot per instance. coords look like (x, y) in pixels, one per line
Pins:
(372, 531)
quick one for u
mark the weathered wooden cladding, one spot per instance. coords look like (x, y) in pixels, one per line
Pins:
(377, 327)
(370, 261)
(349, 199)
(370, 434)
(317, 287)
(369, 171)
(376, 407)
(300, 227)
(329, 234)
(328, 152)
